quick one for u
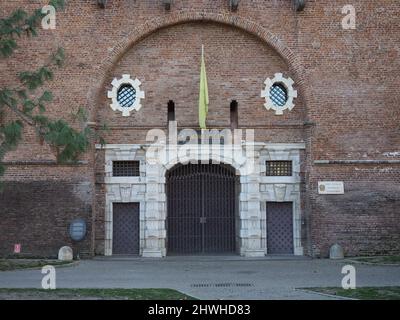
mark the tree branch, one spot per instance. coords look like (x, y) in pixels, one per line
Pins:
(22, 115)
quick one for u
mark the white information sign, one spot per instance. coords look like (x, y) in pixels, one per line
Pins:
(330, 187)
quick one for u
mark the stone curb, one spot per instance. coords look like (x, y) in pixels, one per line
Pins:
(72, 264)
(326, 294)
(375, 263)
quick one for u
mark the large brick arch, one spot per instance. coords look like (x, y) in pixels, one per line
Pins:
(144, 30)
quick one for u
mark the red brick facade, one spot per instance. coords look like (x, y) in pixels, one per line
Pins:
(347, 108)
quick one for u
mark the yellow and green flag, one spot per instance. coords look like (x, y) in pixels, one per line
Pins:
(203, 96)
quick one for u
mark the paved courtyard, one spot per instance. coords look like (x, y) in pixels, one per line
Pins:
(209, 277)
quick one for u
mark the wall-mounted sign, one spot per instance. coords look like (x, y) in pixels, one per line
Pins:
(77, 229)
(17, 248)
(330, 187)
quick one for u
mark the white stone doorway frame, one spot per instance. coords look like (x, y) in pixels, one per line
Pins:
(256, 190)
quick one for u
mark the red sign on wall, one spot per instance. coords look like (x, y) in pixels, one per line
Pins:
(17, 248)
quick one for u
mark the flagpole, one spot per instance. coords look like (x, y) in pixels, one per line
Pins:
(203, 96)
(202, 59)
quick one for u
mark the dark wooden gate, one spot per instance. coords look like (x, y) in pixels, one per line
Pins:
(126, 239)
(280, 227)
(201, 209)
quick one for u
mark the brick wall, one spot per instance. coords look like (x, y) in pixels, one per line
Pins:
(348, 94)
(365, 220)
(37, 216)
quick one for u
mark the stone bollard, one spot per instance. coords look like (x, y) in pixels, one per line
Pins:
(336, 252)
(65, 254)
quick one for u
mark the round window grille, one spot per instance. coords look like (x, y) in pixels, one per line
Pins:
(126, 96)
(278, 94)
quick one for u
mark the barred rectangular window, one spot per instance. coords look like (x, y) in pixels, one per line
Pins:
(126, 168)
(279, 168)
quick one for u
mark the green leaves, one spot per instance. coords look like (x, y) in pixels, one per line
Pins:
(32, 22)
(81, 115)
(33, 80)
(41, 122)
(7, 47)
(19, 101)
(22, 94)
(69, 142)
(12, 133)
(20, 22)
(58, 57)
(13, 26)
(7, 98)
(29, 105)
(47, 96)
(57, 4)
(8, 26)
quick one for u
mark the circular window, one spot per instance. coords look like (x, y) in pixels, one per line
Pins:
(126, 96)
(278, 94)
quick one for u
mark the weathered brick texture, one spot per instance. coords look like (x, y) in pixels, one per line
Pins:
(37, 216)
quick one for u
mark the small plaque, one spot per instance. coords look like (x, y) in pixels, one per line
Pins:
(77, 229)
(17, 248)
(331, 187)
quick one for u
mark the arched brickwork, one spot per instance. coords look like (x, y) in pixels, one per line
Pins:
(142, 31)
